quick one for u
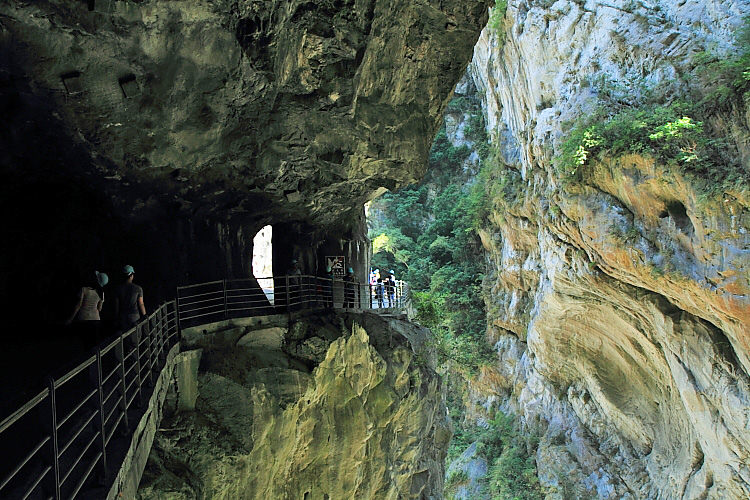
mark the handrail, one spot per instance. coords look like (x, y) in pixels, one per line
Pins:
(131, 361)
(232, 298)
(84, 426)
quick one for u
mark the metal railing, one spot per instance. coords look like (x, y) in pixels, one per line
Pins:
(62, 439)
(226, 299)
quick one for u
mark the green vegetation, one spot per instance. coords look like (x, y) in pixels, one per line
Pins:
(428, 234)
(510, 454)
(636, 120)
(498, 13)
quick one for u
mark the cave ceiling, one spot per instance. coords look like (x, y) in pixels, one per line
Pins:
(277, 110)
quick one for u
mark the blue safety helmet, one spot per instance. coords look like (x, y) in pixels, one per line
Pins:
(101, 278)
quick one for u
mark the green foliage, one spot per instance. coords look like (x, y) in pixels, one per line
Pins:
(673, 133)
(428, 232)
(456, 477)
(513, 474)
(497, 15)
(511, 456)
(725, 81)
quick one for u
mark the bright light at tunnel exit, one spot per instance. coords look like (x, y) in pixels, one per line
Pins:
(263, 260)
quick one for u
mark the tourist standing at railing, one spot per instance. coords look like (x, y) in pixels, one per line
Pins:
(379, 292)
(294, 275)
(350, 289)
(87, 309)
(129, 306)
(390, 285)
(328, 288)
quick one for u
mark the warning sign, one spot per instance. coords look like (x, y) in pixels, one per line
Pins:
(337, 264)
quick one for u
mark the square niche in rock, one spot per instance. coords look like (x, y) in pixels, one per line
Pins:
(129, 86)
(72, 82)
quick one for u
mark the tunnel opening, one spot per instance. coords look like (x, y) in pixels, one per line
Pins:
(262, 264)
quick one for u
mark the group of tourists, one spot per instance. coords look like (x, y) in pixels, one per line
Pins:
(129, 306)
(383, 289)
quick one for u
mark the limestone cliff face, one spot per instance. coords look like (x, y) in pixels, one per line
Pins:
(619, 306)
(367, 422)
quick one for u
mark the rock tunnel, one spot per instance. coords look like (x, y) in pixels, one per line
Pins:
(166, 134)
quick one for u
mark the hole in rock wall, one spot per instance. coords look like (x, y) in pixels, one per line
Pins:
(263, 260)
(336, 157)
(129, 86)
(72, 82)
(676, 210)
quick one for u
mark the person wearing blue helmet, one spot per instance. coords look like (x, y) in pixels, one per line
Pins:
(129, 306)
(350, 289)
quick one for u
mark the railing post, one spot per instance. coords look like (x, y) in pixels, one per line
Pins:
(120, 355)
(286, 291)
(149, 352)
(226, 306)
(177, 309)
(53, 451)
(162, 324)
(95, 373)
(177, 322)
(137, 353)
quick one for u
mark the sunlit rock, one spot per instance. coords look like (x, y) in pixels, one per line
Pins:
(619, 305)
(367, 422)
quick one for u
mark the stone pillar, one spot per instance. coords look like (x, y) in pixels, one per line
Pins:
(186, 372)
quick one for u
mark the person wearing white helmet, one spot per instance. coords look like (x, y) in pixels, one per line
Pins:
(390, 289)
(129, 306)
(88, 308)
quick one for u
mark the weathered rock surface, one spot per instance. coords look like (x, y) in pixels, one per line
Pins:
(620, 307)
(284, 109)
(367, 422)
(467, 476)
(165, 134)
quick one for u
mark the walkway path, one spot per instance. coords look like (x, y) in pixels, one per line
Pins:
(69, 441)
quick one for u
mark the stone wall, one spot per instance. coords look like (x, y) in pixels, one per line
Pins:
(323, 407)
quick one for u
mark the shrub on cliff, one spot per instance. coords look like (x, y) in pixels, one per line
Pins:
(674, 134)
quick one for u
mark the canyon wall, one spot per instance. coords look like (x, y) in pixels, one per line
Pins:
(326, 407)
(618, 301)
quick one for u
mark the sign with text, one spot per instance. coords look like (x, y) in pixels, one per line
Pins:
(337, 264)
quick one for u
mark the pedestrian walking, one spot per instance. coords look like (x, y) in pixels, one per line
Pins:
(86, 312)
(129, 306)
